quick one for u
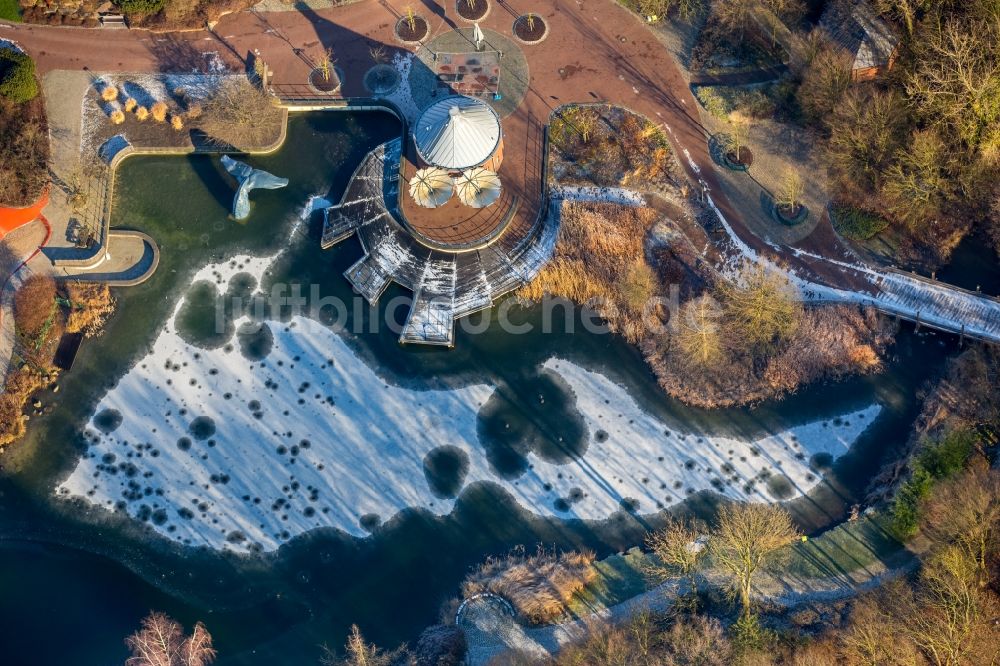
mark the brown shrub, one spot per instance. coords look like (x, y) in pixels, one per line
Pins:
(177, 123)
(193, 110)
(539, 586)
(644, 640)
(34, 305)
(24, 151)
(830, 341)
(91, 305)
(20, 386)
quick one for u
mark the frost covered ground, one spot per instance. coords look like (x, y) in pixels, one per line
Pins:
(214, 448)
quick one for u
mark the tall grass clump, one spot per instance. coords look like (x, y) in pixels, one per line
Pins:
(130, 104)
(159, 112)
(537, 586)
(117, 117)
(141, 112)
(110, 93)
(599, 259)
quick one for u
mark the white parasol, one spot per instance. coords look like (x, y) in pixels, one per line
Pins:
(431, 187)
(478, 187)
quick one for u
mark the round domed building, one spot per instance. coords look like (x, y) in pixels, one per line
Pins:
(459, 133)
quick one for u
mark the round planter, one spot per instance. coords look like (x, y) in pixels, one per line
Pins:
(321, 85)
(730, 161)
(525, 35)
(419, 33)
(800, 215)
(381, 79)
(481, 11)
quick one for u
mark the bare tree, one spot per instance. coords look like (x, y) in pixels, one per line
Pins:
(919, 181)
(955, 80)
(161, 642)
(872, 637)
(361, 653)
(677, 552)
(949, 617)
(739, 125)
(761, 307)
(965, 511)
(825, 80)
(698, 332)
(792, 189)
(157, 643)
(865, 132)
(197, 649)
(241, 115)
(745, 535)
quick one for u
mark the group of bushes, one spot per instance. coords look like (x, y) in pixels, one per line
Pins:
(758, 102)
(163, 14)
(726, 345)
(120, 103)
(609, 146)
(24, 141)
(174, 14)
(43, 311)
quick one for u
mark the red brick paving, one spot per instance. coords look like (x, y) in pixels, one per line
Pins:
(595, 51)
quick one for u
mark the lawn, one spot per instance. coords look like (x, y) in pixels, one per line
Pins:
(10, 10)
(619, 577)
(847, 548)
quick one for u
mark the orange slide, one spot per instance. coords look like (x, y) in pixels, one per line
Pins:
(14, 218)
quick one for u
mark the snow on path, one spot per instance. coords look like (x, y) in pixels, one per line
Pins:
(935, 304)
(215, 449)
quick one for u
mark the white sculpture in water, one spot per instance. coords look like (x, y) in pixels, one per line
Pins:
(248, 179)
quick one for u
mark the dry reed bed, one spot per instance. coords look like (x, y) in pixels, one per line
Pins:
(538, 586)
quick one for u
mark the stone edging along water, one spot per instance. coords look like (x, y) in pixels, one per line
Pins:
(106, 234)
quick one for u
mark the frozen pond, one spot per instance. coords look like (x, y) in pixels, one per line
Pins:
(282, 428)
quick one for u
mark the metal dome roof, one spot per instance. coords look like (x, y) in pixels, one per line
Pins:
(457, 133)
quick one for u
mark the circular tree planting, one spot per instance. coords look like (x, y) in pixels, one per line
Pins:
(790, 215)
(327, 81)
(738, 159)
(530, 28)
(382, 79)
(472, 10)
(411, 29)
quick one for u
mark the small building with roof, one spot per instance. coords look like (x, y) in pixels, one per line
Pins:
(458, 133)
(855, 26)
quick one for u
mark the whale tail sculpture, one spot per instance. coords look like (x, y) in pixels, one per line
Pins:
(248, 179)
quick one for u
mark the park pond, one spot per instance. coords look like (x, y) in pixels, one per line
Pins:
(280, 480)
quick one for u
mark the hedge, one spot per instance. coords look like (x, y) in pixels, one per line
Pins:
(17, 76)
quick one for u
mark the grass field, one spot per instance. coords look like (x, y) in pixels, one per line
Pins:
(618, 578)
(10, 11)
(848, 548)
(845, 549)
